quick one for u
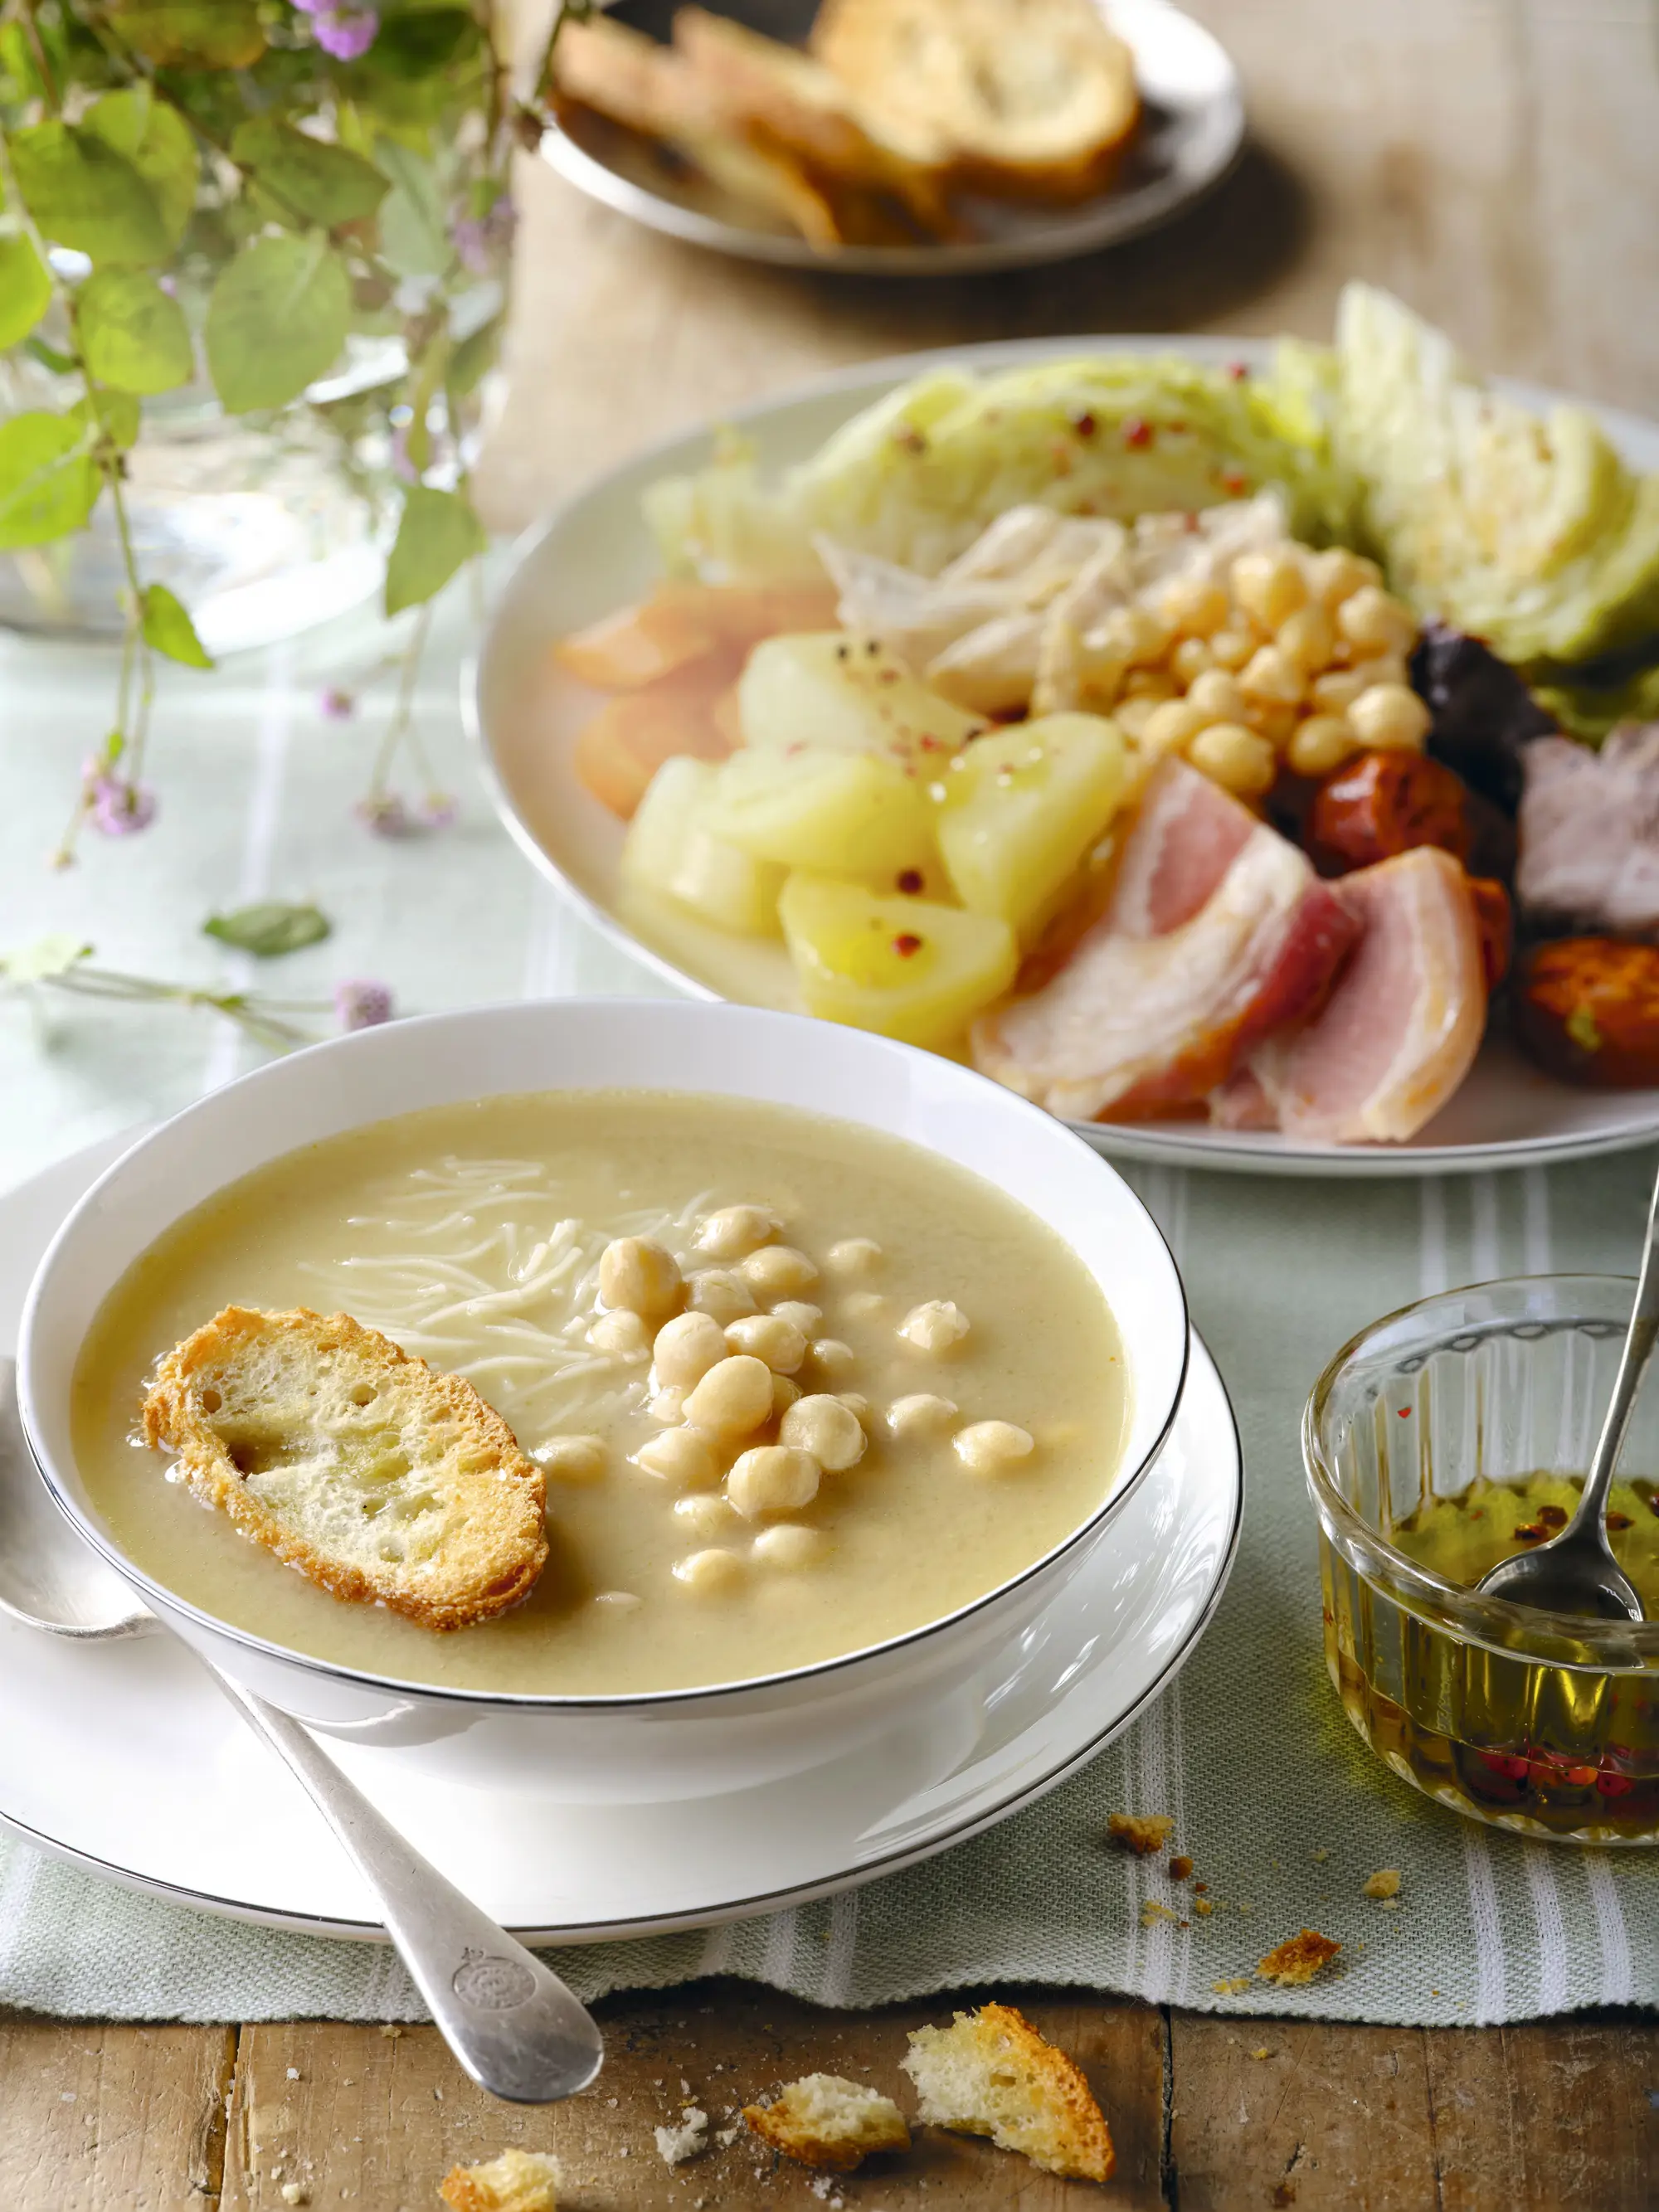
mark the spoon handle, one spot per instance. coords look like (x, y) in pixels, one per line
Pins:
(1627, 1383)
(514, 2025)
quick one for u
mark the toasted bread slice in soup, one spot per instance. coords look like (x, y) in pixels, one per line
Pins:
(1031, 97)
(991, 2074)
(386, 1482)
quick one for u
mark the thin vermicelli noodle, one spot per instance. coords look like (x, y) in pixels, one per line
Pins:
(509, 1309)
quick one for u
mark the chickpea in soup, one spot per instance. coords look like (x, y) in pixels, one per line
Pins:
(796, 1387)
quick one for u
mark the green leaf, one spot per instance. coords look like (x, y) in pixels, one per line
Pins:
(116, 415)
(305, 180)
(277, 317)
(156, 139)
(25, 288)
(132, 335)
(46, 958)
(414, 235)
(474, 358)
(420, 40)
(202, 34)
(85, 195)
(60, 364)
(49, 481)
(168, 628)
(438, 534)
(269, 928)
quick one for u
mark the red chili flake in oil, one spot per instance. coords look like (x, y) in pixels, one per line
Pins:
(1552, 1516)
(1404, 1412)
(910, 879)
(1530, 1531)
(1137, 431)
(1084, 425)
(905, 944)
(1614, 1520)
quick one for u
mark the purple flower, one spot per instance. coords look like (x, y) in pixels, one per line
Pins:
(346, 32)
(479, 241)
(436, 811)
(118, 808)
(361, 1005)
(387, 815)
(335, 705)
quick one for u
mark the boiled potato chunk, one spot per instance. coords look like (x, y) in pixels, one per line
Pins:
(835, 813)
(669, 851)
(1017, 811)
(837, 689)
(904, 967)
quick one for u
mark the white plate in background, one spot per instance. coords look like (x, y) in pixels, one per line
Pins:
(1191, 131)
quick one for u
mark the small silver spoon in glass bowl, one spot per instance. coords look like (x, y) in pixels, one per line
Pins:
(1575, 1571)
(512, 2023)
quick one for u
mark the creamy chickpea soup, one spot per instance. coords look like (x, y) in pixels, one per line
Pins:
(796, 1387)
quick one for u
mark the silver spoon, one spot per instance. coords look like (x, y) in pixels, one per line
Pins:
(1575, 1571)
(513, 2024)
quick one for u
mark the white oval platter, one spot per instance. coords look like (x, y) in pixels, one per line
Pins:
(595, 553)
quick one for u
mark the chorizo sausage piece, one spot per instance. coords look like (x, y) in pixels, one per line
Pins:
(1382, 803)
(1586, 1009)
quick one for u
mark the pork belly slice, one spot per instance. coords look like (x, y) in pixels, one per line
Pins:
(1217, 932)
(1589, 833)
(1403, 1022)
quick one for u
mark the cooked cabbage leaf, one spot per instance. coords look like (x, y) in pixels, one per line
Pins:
(1527, 530)
(916, 477)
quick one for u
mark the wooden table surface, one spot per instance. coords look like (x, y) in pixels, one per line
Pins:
(1496, 162)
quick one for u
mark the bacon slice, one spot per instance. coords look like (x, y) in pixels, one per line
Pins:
(1217, 932)
(1404, 1022)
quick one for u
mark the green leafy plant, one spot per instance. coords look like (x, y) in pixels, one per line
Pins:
(223, 196)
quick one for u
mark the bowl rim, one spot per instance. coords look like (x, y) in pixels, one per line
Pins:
(1498, 1624)
(164, 1601)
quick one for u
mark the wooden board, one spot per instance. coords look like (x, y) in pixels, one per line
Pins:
(1210, 2115)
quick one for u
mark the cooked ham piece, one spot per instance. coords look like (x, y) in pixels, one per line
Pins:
(1403, 1022)
(1589, 833)
(1217, 932)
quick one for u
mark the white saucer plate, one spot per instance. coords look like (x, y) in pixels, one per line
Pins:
(595, 554)
(1191, 132)
(126, 1760)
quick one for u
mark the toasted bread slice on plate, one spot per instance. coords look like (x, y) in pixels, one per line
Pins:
(652, 88)
(991, 2074)
(386, 1482)
(1029, 97)
(791, 100)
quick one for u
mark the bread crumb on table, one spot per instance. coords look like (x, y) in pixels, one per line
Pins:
(517, 2181)
(1202, 1906)
(1152, 1912)
(1143, 1833)
(1180, 1867)
(1233, 1988)
(991, 2074)
(689, 2140)
(1294, 1962)
(825, 2120)
(1384, 1884)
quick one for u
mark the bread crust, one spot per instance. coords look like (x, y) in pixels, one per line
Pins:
(494, 1544)
(835, 2140)
(1293, 1963)
(1071, 2138)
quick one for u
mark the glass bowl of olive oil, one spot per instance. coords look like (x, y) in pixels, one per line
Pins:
(1440, 1440)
